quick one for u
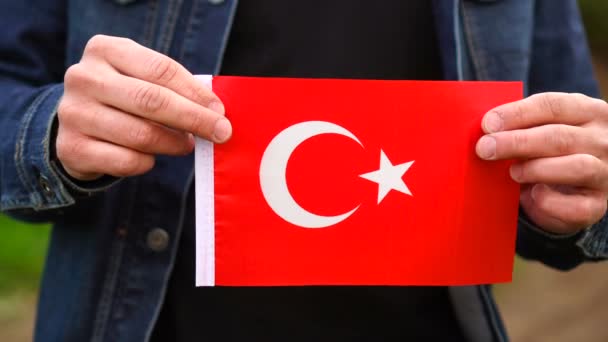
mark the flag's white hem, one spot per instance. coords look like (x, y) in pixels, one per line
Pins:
(205, 208)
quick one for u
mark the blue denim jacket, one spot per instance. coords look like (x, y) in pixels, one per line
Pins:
(106, 273)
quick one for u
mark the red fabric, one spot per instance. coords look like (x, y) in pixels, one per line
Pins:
(458, 228)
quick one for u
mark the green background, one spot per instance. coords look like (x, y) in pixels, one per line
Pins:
(22, 250)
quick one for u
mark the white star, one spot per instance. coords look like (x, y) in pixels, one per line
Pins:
(389, 177)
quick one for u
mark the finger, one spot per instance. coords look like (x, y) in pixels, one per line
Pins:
(140, 62)
(163, 106)
(537, 142)
(542, 109)
(579, 170)
(85, 156)
(111, 125)
(561, 212)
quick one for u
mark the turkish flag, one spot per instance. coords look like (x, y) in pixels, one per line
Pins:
(354, 182)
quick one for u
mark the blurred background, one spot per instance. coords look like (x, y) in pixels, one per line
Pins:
(539, 305)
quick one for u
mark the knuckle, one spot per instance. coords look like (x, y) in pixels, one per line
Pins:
(150, 99)
(602, 143)
(68, 149)
(579, 97)
(573, 98)
(199, 125)
(129, 164)
(586, 210)
(527, 172)
(161, 69)
(520, 141)
(512, 114)
(562, 138)
(553, 102)
(124, 43)
(198, 95)
(66, 110)
(97, 45)
(185, 147)
(600, 107)
(80, 78)
(144, 136)
(518, 113)
(587, 107)
(543, 201)
(75, 76)
(61, 147)
(100, 43)
(587, 169)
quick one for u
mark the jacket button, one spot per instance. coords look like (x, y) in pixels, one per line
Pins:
(216, 2)
(157, 239)
(45, 185)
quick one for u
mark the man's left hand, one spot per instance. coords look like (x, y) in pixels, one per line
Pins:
(560, 146)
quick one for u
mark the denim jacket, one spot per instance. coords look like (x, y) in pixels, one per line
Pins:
(113, 245)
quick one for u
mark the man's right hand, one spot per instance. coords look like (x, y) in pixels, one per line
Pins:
(124, 103)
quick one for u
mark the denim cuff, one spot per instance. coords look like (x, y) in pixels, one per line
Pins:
(555, 250)
(40, 187)
(39, 184)
(594, 240)
(87, 188)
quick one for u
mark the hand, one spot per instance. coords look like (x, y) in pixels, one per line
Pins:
(560, 144)
(124, 103)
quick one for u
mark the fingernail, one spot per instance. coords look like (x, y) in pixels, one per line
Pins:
(516, 172)
(492, 123)
(486, 148)
(191, 139)
(534, 191)
(217, 107)
(222, 130)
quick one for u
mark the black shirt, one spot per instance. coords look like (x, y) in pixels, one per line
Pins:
(331, 39)
(389, 39)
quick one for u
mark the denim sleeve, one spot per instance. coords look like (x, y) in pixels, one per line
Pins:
(32, 64)
(561, 62)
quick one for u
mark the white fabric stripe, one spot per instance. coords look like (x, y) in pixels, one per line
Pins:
(205, 207)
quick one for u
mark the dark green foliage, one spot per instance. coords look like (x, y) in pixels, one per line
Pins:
(22, 251)
(595, 16)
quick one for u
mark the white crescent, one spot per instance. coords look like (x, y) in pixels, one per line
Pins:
(274, 166)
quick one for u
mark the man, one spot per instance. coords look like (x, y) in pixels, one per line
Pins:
(105, 154)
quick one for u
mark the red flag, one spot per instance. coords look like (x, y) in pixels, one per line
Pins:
(354, 182)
